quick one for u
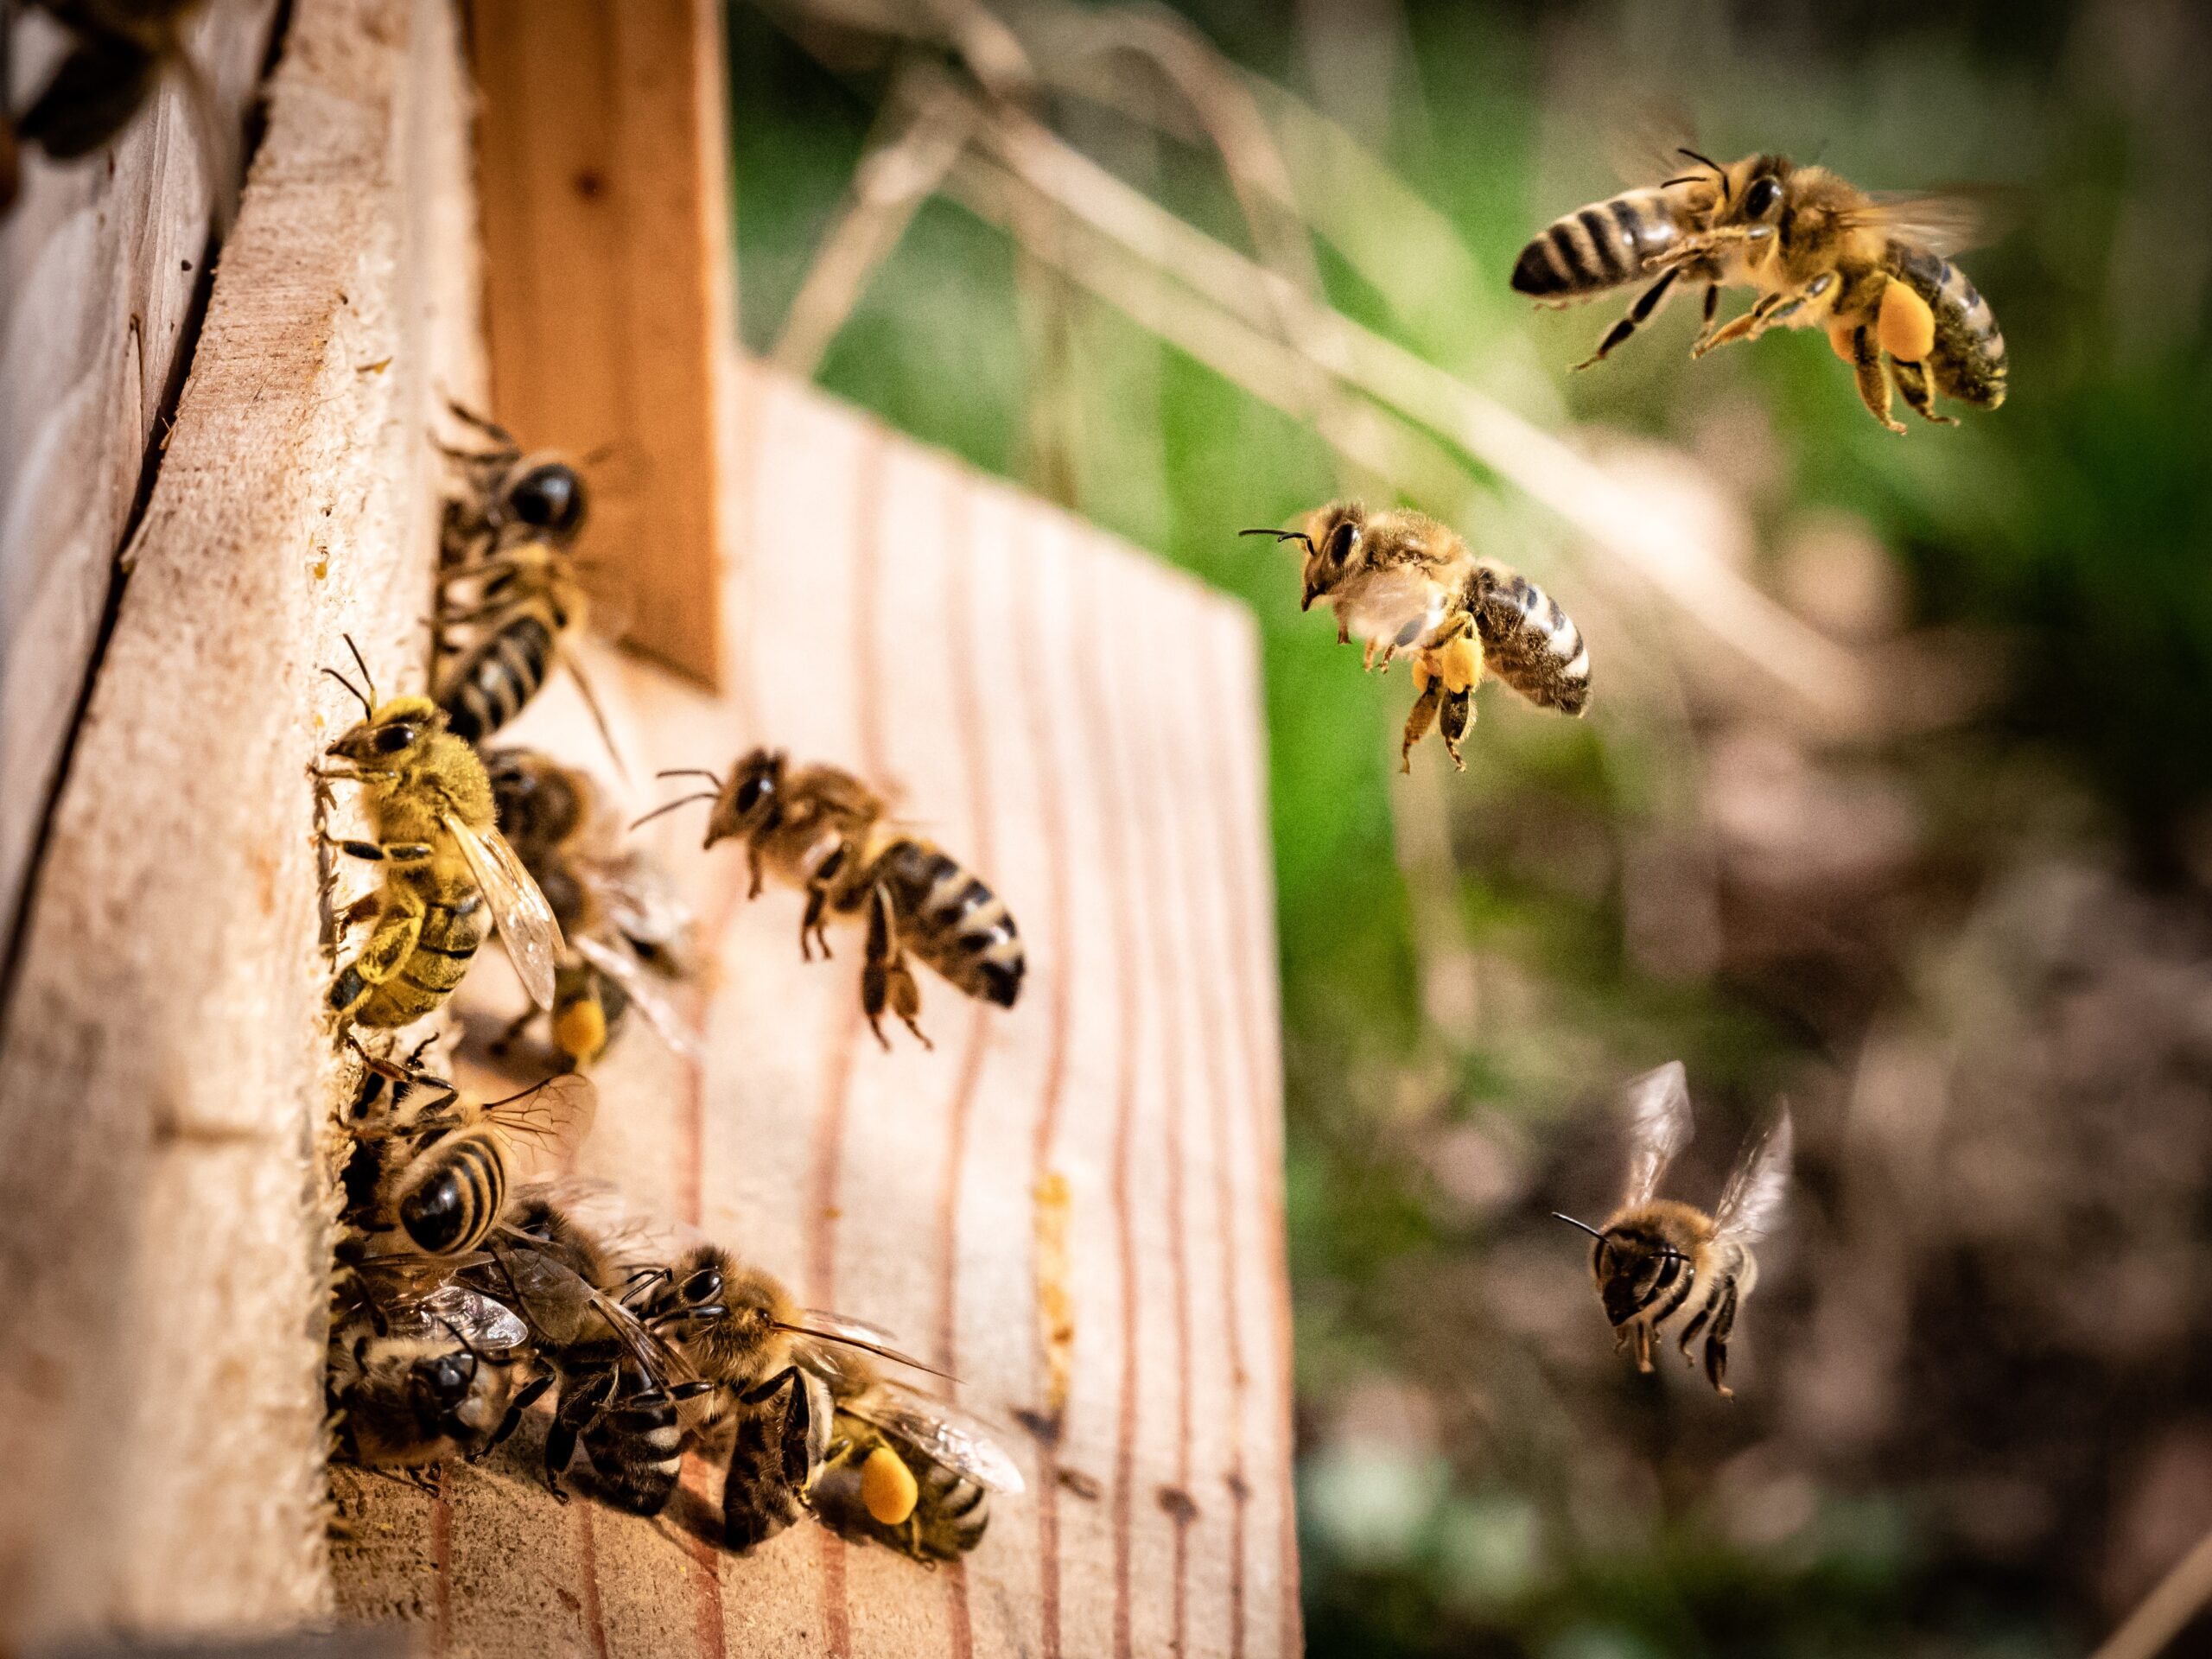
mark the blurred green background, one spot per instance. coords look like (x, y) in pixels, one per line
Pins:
(1966, 935)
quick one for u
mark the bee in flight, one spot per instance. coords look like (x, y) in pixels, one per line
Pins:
(1869, 268)
(508, 496)
(1657, 1257)
(625, 932)
(414, 1379)
(1400, 581)
(822, 831)
(450, 875)
(433, 1167)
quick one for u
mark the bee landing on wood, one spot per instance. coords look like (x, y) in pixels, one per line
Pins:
(1869, 268)
(1657, 1257)
(1400, 581)
(822, 831)
(450, 875)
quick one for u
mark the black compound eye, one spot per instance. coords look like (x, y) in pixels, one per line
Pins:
(1759, 200)
(1338, 546)
(704, 1286)
(749, 792)
(550, 497)
(449, 1376)
(392, 739)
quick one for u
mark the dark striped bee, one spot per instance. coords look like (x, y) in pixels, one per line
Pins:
(626, 930)
(118, 52)
(416, 1378)
(1657, 1257)
(1869, 268)
(824, 831)
(432, 1166)
(1400, 581)
(508, 496)
(450, 875)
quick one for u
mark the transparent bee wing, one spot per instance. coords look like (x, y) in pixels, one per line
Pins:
(942, 1434)
(620, 964)
(628, 1237)
(643, 908)
(525, 921)
(551, 1117)
(1751, 1203)
(1944, 222)
(1646, 145)
(545, 1292)
(1658, 1128)
(827, 1327)
(476, 1319)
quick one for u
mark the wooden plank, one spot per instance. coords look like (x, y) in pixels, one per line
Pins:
(166, 1064)
(1082, 725)
(102, 265)
(604, 177)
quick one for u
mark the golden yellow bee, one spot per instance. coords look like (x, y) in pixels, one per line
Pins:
(1400, 581)
(450, 875)
(824, 831)
(1870, 270)
(1657, 1257)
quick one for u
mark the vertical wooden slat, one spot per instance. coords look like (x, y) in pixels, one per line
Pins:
(603, 176)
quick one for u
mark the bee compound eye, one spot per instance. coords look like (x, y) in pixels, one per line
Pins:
(449, 1377)
(1760, 198)
(704, 1286)
(750, 792)
(548, 498)
(392, 739)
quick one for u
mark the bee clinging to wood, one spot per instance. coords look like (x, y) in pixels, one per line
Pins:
(416, 1378)
(822, 831)
(1400, 581)
(1657, 1257)
(450, 875)
(1869, 268)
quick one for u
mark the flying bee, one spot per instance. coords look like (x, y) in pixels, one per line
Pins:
(449, 872)
(627, 932)
(824, 831)
(1657, 1257)
(426, 1377)
(1870, 269)
(1400, 581)
(438, 1171)
(507, 496)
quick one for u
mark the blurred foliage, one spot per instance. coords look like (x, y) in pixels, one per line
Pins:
(1929, 1456)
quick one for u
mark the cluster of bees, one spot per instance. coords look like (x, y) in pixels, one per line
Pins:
(465, 1294)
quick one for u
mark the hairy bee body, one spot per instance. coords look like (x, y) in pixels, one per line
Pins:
(116, 55)
(948, 917)
(491, 680)
(508, 496)
(1966, 359)
(449, 1196)
(927, 1511)
(412, 1386)
(1528, 642)
(1599, 247)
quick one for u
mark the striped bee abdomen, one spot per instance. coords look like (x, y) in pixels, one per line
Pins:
(1528, 642)
(453, 1192)
(1597, 247)
(636, 1444)
(454, 926)
(1968, 362)
(487, 686)
(953, 921)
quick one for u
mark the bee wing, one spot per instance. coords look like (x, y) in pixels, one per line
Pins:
(553, 1115)
(622, 966)
(525, 921)
(1658, 1128)
(539, 1285)
(476, 1319)
(629, 1239)
(1944, 222)
(824, 1327)
(644, 908)
(1751, 1204)
(1647, 144)
(942, 1434)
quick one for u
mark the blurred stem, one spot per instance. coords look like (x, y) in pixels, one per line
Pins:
(2167, 1609)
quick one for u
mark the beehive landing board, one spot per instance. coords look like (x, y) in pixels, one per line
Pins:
(166, 1061)
(1083, 726)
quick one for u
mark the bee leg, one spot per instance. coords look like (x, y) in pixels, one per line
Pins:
(885, 978)
(1911, 379)
(1711, 313)
(753, 868)
(809, 924)
(1459, 716)
(1638, 315)
(1873, 380)
(1716, 1345)
(579, 1406)
(1423, 714)
(1752, 324)
(360, 910)
(531, 1393)
(398, 928)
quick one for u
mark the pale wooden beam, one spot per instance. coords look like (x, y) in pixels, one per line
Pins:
(604, 178)
(166, 1065)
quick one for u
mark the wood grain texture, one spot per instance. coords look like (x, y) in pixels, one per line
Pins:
(1082, 725)
(165, 1061)
(603, 172)
(100, 265)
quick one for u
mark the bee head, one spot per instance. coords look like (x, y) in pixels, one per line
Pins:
(1331, 537)
(1755, 194)
(549, 497)
(752, 800)
(1627, 1262)
(541, 802)
(393, 735)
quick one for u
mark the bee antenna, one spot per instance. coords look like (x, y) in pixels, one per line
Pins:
(363, 696)
(1720, 172)
(670, 806)
(690, 771)
(467, 1346)
(1572, 1222)
(361, 663)
(1282, 536)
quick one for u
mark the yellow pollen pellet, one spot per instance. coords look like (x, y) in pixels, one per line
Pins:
(888, 1487)
(581, 1031)
(1906, 327)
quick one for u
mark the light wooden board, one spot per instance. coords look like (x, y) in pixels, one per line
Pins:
(603, 169)
(165, 1062)
(1083, 726)
(100, 263)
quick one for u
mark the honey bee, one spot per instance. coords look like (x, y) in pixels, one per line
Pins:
(508, 496)
(913, 1475)
(824, 831)
(449, 872)
(432, 1165)
(1657, 1257)
(1400, 581)
(624, 927)
(427, 1377)
(1869, 268)
(118, 51)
